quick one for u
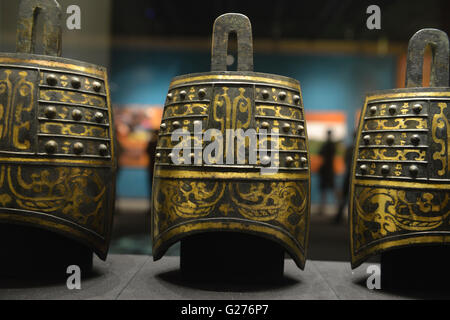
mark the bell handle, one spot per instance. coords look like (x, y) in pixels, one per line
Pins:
(223, 26)
(26, 27)
(438, 41)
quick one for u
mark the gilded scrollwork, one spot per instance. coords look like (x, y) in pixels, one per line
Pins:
(75, 193)
(280, 202)
(73, 130)
(281, 112)
(230, 107)
(181, 110)
(395, 124)
(189, 199)
(381, 212)
(5, 101)
(392, 154)
(265, 202)
(440, 121)
(16, 109)
(73, 97)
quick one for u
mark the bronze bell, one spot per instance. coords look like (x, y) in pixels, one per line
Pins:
(400, 174)
(216, 194)
(57, 153)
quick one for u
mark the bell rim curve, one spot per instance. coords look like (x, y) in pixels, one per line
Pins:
(163, 242)
(439, 89)
(99, 244)
(52, 63)
(244, 75)
(247, 76)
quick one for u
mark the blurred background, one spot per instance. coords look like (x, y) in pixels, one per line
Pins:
(326, 45)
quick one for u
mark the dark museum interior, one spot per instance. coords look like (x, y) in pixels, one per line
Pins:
(326, 45)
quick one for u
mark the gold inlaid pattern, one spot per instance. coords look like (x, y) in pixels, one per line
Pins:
(166, 141)
(251, 79)
(416, 95)
(65, 81)
(181, 110)
(256, 201)
(241, 104)
(73, 97)
(392, 154)
(281, 205)
(395, 216)
(65, 146)
(281, 112)
(440, 121)
(73, 130)
(395, 124)
(189, 199)
(60, 191)
(192, 174)
(185, 95)
(404, 184)
(65, 113)
(283, 143)
(47, 161)
(15, 122)
(255, 204)
(390, 213)
(53, 64)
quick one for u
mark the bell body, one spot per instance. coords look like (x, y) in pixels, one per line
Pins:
(57, 157)
(401, 180)
(197, 196)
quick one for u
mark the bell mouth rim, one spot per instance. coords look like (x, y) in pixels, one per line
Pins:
(290, 82)
(97, 243)
(407, 90)
(45, 61)
(164, 241)
(419, 239)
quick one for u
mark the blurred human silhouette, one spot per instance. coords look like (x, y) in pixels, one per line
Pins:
(343, 196)
(151, 151)
(326, 171)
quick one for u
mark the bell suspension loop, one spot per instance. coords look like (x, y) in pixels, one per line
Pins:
(26, 32)
(438, 41)
(223, 26)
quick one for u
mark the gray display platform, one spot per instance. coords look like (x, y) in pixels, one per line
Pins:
(138, 277)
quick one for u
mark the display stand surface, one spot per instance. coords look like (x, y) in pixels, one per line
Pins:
(138, 277)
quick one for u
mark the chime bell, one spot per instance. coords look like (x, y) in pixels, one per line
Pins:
(400, 175)
(57, 158)
(232, 154)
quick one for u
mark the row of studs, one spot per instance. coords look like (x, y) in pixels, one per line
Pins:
(386, 169)
(393, 109)
(266, 159)
(183, 94)
(51, 147)
(77, 115)
(53, 80)
(286, 127)
(282, 95)
(201, 93)
(415, 139)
